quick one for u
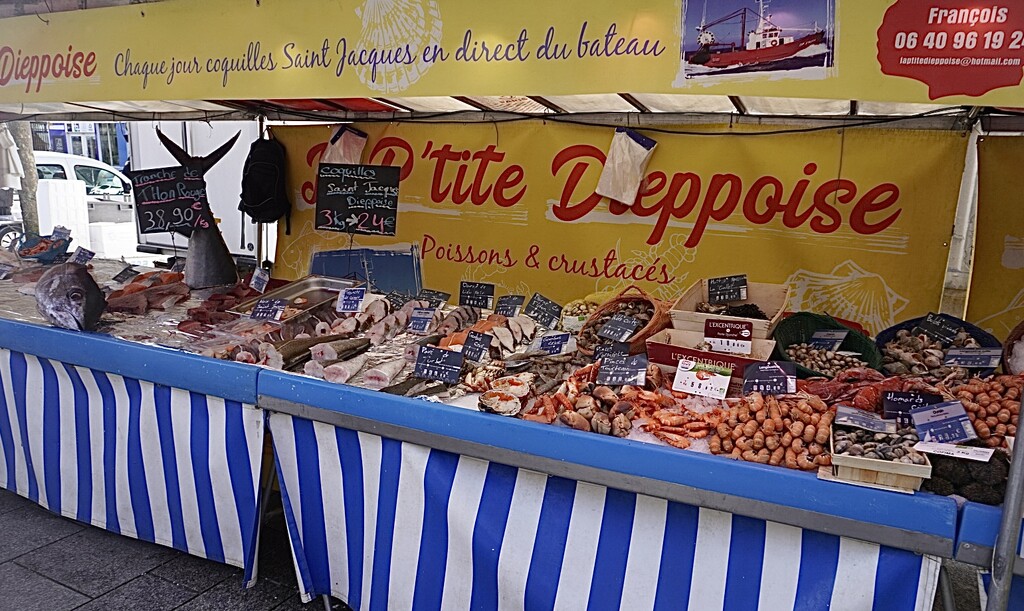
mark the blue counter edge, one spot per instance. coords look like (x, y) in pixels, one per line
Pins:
(979, 525)
(225, 379)
(922, 512)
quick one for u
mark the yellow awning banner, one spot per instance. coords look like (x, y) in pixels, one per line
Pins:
(857, 222)
(902, 51)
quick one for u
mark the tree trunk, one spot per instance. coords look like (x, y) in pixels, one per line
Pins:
(22, 133)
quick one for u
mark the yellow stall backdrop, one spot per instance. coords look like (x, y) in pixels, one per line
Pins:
(996, 300)
(947, 51)
(855, 221)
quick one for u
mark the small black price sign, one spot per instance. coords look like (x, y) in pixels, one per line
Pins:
(727, 288)
(620, 369)
(974, 358)
(437, 299)
(179, 264)
(544, 311)
(169, 199)
(125, 274)
(897, 405)
(939, 327)
(476, 294)
(770, 378)
(357, 198)
(6, 269)
(397, 300)
(438, 364)
(619, 327)
(828, 339)
(476, 346)
(603, 351)
(509, 305)
(552, 343)
(268, 309)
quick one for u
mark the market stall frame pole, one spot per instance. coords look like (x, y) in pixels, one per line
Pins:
(1005, 553)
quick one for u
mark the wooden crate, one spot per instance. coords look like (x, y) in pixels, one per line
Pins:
(771, 298)
(875, 472)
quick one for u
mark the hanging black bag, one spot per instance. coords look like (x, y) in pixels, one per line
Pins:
(264, 198)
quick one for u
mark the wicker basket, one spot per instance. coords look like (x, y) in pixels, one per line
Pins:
(799, 328)
(1015, 336)
(638, 343)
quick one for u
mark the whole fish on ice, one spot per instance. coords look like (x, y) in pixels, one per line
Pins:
(68, 297)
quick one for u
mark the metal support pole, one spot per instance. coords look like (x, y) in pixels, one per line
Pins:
(259, 226)
(1005, 552)
(327, 602)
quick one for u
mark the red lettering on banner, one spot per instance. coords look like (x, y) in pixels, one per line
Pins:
(663, 196)
(823, 208)
(479, 191)
(73, 65)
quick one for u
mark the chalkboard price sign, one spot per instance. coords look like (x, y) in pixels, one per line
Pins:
(727, 288)
(357, 198)
(509, 305)
(126, 274)
(476, 346)
(436, 299)
(603, 351)
(616, 370)
(438, 364)
(268, 309)
(476, 294)
(939, 327)
(544, 311)
(619, 327)
(169, 199)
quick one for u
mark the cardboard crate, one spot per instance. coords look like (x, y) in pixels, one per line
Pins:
(879, 473)
(666, 347)
(771, 298)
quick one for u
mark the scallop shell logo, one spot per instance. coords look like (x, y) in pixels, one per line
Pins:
(388, 24)
(849, 292)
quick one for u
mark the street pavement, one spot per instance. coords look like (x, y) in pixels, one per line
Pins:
(51, 563)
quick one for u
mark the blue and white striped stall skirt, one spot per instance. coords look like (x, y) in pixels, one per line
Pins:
(144, 460)
(383, 524)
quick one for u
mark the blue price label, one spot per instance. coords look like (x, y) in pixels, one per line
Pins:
(553, 343)
(351, 300)
(419, 322)
(943, 422)
(260, 279)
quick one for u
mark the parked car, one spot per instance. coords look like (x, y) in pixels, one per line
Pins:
(108, 190)
(101, 180)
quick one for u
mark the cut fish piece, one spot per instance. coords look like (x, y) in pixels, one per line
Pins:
(341, 372)
(382, 375)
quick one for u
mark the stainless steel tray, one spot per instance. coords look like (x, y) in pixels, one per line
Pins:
(305, 288)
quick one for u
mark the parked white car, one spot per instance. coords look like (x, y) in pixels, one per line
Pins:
(101, 180)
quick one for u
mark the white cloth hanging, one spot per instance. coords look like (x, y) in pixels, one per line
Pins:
(345, 147)
(11, 170)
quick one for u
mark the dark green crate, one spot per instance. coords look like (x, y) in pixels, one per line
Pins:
(799, 328)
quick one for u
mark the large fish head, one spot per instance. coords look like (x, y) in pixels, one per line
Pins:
(68, 297)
